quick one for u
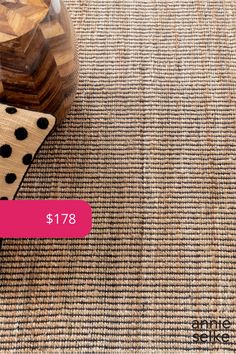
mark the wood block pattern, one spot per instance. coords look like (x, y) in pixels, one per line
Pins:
(38, 61)
(22, 132)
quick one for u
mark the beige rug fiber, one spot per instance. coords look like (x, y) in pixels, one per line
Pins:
(150, 144)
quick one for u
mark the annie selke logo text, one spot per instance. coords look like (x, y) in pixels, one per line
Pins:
(211, 331)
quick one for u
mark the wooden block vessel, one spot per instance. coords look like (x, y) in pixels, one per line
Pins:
(37, 81)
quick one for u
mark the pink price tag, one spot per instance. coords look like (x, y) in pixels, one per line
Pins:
(45, 219)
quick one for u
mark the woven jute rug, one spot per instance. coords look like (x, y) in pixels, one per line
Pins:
(150, 144)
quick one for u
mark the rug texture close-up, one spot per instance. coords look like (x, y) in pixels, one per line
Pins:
(150, 144)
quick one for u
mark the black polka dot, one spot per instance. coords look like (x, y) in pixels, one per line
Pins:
(5, 150)
(11, 110)
(27, 159)
(42, 123)
(21, 133)
(3, 198)
(10, 178)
